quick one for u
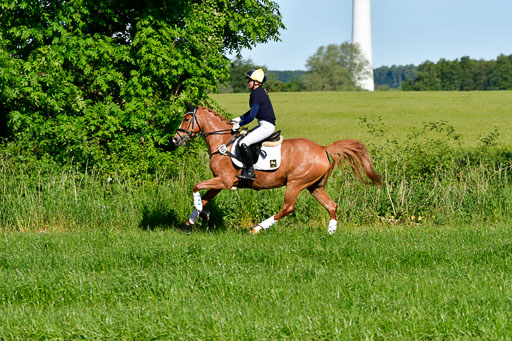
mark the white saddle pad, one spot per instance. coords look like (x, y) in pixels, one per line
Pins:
(269, 159)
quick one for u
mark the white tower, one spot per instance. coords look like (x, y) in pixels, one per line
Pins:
(362, 35)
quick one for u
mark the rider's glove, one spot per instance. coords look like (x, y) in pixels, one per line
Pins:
(236, 123)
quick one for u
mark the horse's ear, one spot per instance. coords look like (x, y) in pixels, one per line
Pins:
(189, 106)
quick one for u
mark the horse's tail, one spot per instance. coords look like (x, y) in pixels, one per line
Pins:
(354, 152)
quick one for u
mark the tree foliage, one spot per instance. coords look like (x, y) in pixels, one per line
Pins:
(335, 67)
(101, 82)
(392, 77)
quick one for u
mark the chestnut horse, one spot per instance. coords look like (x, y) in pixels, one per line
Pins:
(304, 165)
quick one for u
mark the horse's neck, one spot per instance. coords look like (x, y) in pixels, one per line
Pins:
(213, 123)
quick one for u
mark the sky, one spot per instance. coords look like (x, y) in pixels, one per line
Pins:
(403, 31)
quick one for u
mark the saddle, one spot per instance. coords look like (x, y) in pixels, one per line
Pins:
(271, 141)
(266, 155)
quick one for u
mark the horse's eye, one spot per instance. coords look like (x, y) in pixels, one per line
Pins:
(185, 120)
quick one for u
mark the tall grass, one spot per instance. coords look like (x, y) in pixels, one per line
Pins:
(71, 200)
(440, 188)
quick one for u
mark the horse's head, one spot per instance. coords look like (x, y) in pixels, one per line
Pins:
(189, 126)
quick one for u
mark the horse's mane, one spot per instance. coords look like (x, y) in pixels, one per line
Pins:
(222, 118)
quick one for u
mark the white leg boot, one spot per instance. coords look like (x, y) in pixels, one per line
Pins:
(263, 225)
(198, 207)
(332, 226)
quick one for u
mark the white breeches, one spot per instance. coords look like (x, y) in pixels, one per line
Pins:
(261, 132)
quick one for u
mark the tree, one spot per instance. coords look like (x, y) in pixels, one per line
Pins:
(428, 77)
(450, 74)
(335, 67)
(500, 77)
(102, 82)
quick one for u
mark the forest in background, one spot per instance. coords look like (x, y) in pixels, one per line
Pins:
(460, 74)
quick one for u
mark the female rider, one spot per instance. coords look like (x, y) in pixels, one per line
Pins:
(261, 108)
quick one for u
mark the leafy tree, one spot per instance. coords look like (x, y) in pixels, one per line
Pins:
(335, 67)
(102, 82)
(427, 77)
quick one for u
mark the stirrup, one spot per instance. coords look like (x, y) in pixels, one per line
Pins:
(247, 175)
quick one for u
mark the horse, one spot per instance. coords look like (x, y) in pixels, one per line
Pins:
(304, 165)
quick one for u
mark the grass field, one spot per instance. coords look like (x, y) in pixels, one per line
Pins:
(328, 116)
(298, 284)
(86, 256)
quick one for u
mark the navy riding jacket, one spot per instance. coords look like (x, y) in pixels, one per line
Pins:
(261, 108)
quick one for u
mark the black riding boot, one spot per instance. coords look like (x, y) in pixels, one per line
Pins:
(248, 170)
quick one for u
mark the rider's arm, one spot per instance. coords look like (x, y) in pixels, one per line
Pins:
(250, 115)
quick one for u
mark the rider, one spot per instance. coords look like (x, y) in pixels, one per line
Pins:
(261, 108)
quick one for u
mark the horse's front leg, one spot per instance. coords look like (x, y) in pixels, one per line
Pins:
(214, 186)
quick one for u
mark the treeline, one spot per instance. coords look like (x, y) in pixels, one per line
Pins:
(393, 77)
(464, 74)
(385, 77)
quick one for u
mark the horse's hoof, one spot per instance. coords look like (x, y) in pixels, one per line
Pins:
(256, 230)
(205, 215)
(185, 228)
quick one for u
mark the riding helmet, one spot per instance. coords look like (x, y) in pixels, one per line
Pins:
(257, 75)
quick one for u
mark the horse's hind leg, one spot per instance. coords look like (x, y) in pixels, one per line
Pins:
(290, 198)
(325, 200)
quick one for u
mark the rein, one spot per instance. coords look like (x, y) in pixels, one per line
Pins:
(191, 135)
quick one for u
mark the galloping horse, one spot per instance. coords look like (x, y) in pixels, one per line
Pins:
(304, 165)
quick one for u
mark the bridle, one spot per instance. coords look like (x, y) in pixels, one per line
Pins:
(190, 133)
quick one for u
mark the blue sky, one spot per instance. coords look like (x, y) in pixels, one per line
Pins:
(403, 31)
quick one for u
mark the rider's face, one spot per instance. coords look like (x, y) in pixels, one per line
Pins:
(252, 84)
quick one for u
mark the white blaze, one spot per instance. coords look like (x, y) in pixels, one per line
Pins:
(362, 35)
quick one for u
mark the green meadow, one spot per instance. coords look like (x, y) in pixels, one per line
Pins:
(87, 255)
(328, 116)
(365, 282)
